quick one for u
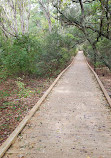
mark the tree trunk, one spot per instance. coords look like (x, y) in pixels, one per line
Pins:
(47, 14)
(95, 56)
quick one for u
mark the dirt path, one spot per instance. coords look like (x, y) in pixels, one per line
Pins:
(73, 122)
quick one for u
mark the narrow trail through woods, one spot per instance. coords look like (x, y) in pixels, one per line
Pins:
(73, 122)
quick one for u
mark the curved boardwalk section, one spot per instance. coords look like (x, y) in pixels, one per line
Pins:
(73, 122)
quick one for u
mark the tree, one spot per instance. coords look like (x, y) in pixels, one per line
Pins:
(45, 5)
(15, 16)
(92, 17)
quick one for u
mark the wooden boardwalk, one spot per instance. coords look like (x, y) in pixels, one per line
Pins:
(73, 122)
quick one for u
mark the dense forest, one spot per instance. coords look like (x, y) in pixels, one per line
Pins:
(38, 39)
(33, 41)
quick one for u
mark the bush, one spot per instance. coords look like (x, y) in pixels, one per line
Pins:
(28, 55)
(104, 53)
(104, 47)
(20, 57)
(54, 56)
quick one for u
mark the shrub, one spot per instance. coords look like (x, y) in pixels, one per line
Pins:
(29, 55)
(54, 55)
(20, 57)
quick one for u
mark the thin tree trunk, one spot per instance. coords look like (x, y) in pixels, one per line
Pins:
(47, 14)
(21, 11)
(28, 16)
(95, 56)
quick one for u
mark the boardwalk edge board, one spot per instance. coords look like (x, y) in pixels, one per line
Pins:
(5, 146)
(100, 84)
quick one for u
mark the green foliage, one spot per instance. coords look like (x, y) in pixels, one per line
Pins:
(98, 64)
(68, 40)
(104, 47)
(3, 74)
(88, 51)
(54, 55)
(10, 105)
(19, 56)
(40, 56)
(18, 118)
(103, 56)
(4, 93)
(23, 92)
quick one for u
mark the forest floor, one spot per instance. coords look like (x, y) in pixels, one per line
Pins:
(17, 97)
(105, 76)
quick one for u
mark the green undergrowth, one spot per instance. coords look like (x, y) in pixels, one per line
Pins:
(30, 55)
